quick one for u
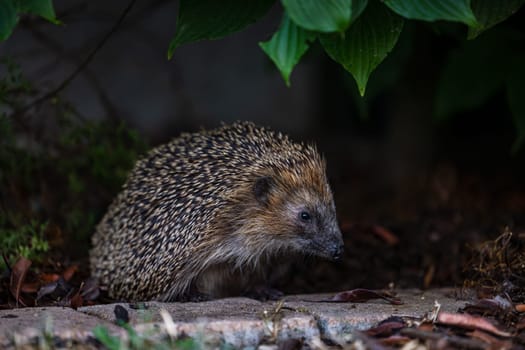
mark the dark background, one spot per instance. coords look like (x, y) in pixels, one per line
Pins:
(439, 187)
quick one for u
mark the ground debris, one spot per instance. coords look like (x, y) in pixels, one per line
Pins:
(467, 321)
(451, 330)
(361, 295)
(22, 286)
(497, 267)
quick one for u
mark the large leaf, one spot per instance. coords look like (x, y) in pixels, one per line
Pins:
(8, 18)
(516, 95)
(358, 6)
(433, 10)
(475, 72)
(42, 8)
(491, 12)
(287, 46)
(10, 9)
(212, 19)
(366, 43)
(322, 16)
(386, 76)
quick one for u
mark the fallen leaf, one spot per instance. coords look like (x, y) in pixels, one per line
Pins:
(489, 306)
(426, 326)
(520, 307)
(469, 322)
(385, 234)
(30, 287)
(55, 290)
(442, 341)
(361, 295)
(395, 340)
(48, 277)
(46, 289)
(18, 275)
(429, 276)
(385, 328)
(77, 300)
(494, 342)
(90, 289)
(69, 272)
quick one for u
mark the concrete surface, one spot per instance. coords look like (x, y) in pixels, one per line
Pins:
(239, 322)
(29, 325)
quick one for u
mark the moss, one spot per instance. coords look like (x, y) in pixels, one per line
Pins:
(24, 239)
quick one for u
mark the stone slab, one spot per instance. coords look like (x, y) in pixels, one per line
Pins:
(29, 325)
(335, 319)
(246, 322)
(239, 322)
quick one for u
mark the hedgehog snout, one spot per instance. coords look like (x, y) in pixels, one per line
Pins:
(337, 251)
(328, 243)
(335, 246)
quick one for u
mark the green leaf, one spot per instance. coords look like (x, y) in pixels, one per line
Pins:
(366, 43)
(474, 72)
(434, 10)
(386, 76)
(42, 8)
(490, 13)
(358, 6)
(8, 18)
(112, 342)
(212, 19)
(515, 96)
(321, 16)
(287, 46)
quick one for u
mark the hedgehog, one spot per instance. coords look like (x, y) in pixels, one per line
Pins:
(206, 213)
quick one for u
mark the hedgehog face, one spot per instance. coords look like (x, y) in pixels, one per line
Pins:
(313, 224)
(307, 218)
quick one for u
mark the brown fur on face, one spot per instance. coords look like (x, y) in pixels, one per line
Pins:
(260, 226)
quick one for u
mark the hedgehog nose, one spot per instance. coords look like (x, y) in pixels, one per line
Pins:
(337, 251)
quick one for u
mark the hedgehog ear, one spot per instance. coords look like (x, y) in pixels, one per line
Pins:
(262, 188)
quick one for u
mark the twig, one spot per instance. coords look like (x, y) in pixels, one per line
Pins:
(82, 65)
(60, 51)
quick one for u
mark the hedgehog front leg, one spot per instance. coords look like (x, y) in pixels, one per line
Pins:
(193, 295)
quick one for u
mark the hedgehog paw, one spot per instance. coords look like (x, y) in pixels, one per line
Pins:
(264, 293)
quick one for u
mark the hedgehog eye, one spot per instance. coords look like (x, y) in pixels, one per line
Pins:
(305, 216)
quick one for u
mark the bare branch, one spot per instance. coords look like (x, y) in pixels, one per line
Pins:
(82, 66)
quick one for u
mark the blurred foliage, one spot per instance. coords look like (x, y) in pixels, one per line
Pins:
(63, 170)
(26, 240)
(136, 341)
(10, 11)
(478, 70)
(365, 44)
(285, 59)
(360, 35)
(357, 34)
